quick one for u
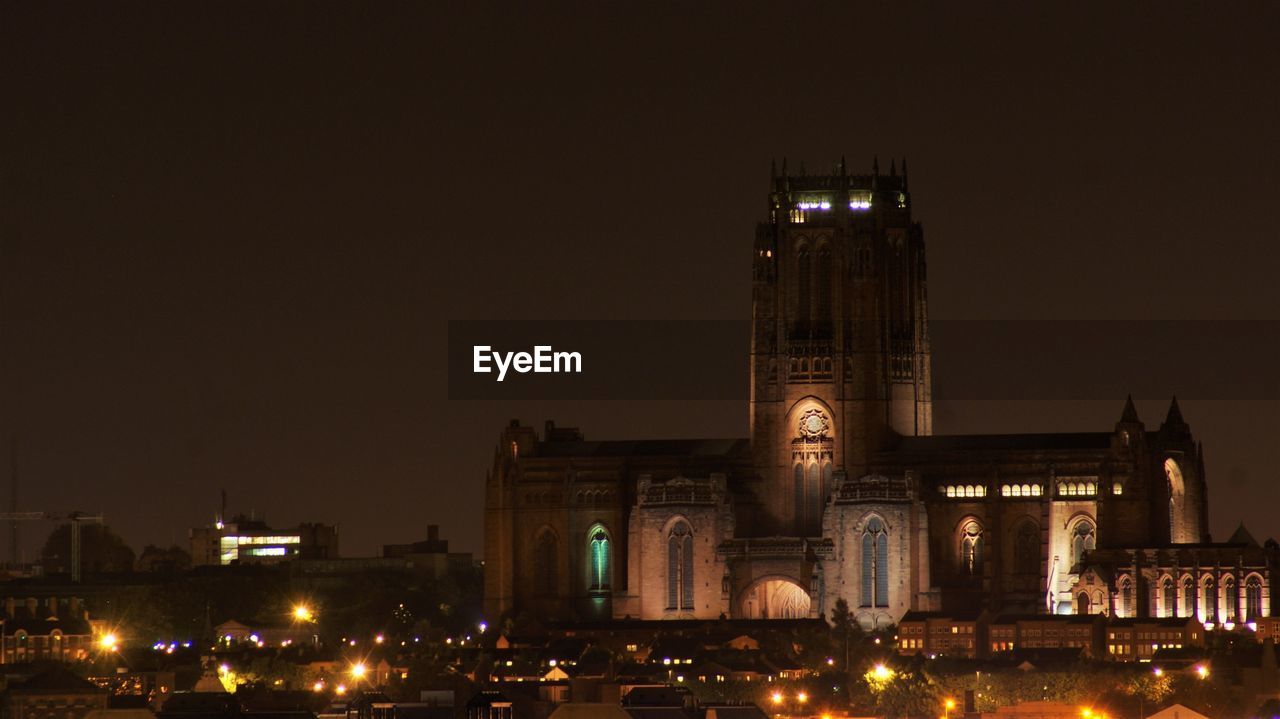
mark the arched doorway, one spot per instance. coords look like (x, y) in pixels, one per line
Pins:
(775, 598)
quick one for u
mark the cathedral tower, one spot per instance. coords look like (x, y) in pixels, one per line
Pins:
(839, 351)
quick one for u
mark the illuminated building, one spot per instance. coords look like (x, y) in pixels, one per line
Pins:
(250, 541)
(842, 490)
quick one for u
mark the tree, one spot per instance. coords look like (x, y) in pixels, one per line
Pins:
(157, 559)
(101, 550)
(844, 628)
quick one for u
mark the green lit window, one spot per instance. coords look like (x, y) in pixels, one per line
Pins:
(600, 552)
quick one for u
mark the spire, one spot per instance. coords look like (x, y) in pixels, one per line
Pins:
(893, 167)
(773, 169)
(875, 165)
(1174, 417)
(844, 168)
(1130, 413)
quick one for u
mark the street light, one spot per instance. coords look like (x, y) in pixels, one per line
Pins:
(802, 697)
(948, 705)
(303, 613)
(1202, 671)
(358, 670)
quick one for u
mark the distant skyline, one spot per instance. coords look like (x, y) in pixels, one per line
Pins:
(231, 237)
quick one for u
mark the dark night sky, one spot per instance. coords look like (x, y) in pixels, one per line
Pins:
(233, 233)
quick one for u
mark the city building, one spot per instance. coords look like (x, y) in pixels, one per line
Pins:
(940, 633)
(244, 540)
(50, 630)
(842, 490)
(55, 693)
(47, 639)
(1140, 639)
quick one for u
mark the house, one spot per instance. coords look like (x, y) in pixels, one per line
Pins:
(40, 639)
(54, 694)
(1177, 711)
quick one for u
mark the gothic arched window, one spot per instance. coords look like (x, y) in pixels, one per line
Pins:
(1083, 539)
(813, 508)
(1126, 597)
(545, 560)
(1026, 549)
(804, 296)
(1252, 598)
(1188, 597)
(1169, 594)
(1208, 600)
(600, 553)
(1229, 600)
(875, 565)
(823, 300)
(827, 479)
(680, 567)
(971, 549)
(799, 496)
(1082, 603)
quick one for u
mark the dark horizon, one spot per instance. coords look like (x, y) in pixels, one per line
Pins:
(233, 235)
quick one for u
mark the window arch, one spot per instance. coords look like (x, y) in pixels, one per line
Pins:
(1208, 600)
(803, 294)
(1252, 598)
(799, 494)
(599, 559)
(680, 567)
(828, 477)
(813, 507)
(823, 285)
(1082, 603)
(971, 548)
(1169, 595)
(1026, 548)
(546, 553)
(875, 564)
(1229, 600)
(1083, 539)
(1126, 597)
(1188, 597)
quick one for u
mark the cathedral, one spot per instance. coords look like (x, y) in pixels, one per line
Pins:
(843, 491)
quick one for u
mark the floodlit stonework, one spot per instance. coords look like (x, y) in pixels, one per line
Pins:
(842, 490)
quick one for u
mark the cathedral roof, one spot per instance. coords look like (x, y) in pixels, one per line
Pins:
(1046, 441)
(1242, 536)
(646, 448)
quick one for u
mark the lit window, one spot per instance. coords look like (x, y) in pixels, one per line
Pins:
(600, 560)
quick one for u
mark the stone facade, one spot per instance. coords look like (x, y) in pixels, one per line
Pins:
(842, 491)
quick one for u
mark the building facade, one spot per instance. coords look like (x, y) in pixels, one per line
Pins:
(251, 541)
(842, 491)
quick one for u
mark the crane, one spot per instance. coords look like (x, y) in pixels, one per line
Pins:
(75, 519)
